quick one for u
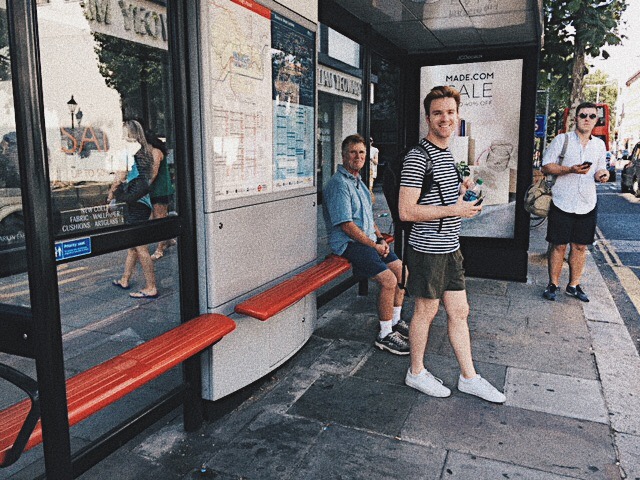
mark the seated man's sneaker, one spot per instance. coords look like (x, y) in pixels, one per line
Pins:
(577, 292)
(394, 343)
(550, 292)
(479, 387)
(402, 328)
(427, 383)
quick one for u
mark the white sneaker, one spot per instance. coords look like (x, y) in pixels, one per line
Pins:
(427, 383)
(479, 387)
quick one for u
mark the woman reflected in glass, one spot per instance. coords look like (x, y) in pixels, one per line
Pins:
(133, 188)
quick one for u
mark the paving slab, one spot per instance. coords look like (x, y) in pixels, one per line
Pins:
(534, 440)
(355, 402)
(565, 355)
(629, 451)
(556, 394)
(269, 447)
(619, 367)
(462, 466)
(342, 453)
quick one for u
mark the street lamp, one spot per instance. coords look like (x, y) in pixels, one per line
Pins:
(72, 104)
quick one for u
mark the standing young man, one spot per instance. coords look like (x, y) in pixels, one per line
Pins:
(573, 214)
(348, 213)
(433, 257)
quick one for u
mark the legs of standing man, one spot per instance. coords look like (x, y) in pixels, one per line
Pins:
(418, 377)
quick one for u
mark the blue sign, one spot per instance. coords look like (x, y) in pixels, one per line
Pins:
(73, 248)
(541, 126)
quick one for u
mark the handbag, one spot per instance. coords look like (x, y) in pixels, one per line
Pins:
(537, 198)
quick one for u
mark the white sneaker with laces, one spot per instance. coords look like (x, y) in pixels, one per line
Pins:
(427, 383)
(479, 387)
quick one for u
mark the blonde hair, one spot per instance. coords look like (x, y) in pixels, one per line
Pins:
(136, 132)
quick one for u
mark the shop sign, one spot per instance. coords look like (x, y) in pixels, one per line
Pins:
(138, 21)
(338, 83)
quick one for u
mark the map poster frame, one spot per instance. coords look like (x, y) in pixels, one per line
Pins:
(293, 53)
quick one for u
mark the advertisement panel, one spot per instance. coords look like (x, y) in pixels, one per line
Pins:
(486, 142)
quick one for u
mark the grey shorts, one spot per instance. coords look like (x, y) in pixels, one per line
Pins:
(430, 275)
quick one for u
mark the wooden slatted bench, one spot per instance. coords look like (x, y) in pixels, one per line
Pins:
(267, 304)
(102, 385)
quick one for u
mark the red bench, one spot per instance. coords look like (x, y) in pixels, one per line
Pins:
(102, 385)
(276, 299)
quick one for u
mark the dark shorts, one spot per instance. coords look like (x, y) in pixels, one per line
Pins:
(365, 261)
(136, 213)
(566, 227)
(163, 200)
(430, 275)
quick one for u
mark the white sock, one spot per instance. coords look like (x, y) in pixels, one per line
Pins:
(385, 328)
(396, 314)
(468, 379)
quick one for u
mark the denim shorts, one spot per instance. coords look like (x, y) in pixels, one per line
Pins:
(430, 274)
(365, 261)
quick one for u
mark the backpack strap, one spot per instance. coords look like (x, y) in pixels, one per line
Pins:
(427, 183)
(553, 178)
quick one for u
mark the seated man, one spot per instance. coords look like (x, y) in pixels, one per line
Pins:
(348, 212)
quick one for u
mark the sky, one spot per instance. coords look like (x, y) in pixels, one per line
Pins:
(624, 60)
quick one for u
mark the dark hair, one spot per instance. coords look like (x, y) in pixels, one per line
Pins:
(585, 105)
(442, 91)
(351, 140)
(155, 142)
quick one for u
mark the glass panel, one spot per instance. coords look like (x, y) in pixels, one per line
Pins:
(105, 63)
(385, 113)
(11, 220)
(343, 48)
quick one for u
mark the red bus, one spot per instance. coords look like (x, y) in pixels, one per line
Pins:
(601, 129)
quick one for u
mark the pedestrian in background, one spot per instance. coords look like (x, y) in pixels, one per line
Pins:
(573, 215)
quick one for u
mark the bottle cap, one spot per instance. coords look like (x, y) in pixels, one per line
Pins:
(479, 181)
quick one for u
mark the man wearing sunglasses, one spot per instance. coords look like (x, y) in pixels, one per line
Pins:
(572, 218)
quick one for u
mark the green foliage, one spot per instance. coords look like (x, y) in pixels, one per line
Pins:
(575, 30)
(5, 59)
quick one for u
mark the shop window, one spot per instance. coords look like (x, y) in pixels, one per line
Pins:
(105, 63)
(341, 47)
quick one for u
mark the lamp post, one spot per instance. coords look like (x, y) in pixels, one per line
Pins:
(72, 104)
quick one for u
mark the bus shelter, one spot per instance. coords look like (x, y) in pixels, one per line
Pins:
(247, 102)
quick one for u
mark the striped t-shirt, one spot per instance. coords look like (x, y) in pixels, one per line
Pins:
(442, 235)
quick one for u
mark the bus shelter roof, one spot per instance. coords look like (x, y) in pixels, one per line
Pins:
(426, 26)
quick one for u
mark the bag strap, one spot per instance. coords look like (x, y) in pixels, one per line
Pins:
(553, 178)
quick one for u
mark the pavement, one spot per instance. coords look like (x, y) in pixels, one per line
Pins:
(339, 408)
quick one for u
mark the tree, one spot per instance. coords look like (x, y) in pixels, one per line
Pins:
(576, 30)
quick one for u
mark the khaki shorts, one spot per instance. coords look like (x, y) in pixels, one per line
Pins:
(430, 275)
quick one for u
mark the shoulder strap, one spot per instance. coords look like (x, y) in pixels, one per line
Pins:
(427, 180)
(553, 178)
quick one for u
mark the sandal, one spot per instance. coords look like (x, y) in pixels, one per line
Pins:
(117, 283)
(141, 294)
(157, 255)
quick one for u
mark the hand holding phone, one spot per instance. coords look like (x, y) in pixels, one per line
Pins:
(586, 164)
(479, 201)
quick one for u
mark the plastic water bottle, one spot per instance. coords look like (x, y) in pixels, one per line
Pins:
(473, 193)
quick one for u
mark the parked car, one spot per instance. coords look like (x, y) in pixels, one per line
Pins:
(630, 175)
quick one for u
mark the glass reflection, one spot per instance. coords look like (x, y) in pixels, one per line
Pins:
(104, 62)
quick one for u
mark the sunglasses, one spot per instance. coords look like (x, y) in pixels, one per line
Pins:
(592, 116)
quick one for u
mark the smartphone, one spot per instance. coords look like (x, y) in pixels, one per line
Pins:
(479, 201)
(587, 163)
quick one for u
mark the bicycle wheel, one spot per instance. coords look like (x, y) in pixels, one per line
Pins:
(535, 222)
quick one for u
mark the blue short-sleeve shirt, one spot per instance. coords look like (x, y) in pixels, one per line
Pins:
(346, 199)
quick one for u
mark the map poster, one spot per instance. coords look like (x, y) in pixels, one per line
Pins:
(239, 42)
(487, 135)
(293, 95)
